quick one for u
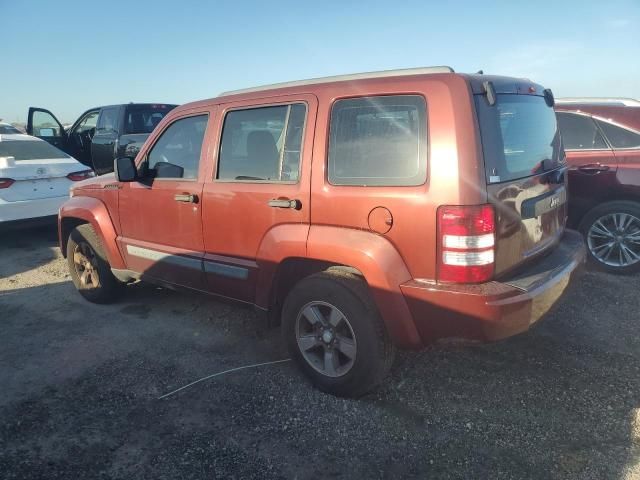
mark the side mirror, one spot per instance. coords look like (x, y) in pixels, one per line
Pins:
(548, 97)
(125, 168)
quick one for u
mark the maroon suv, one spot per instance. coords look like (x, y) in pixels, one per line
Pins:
(601, 139)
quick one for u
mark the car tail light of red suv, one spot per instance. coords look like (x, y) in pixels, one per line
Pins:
(466, 243)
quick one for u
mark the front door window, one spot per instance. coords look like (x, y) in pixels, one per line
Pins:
(45, 125)
(176, 154)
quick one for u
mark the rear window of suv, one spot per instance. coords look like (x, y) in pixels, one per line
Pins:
(518, 134)
(378, 141)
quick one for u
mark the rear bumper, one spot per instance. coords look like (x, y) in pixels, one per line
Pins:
(497, 309)
(30, 209)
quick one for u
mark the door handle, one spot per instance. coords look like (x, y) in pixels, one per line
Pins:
(285, 203)
(186, 197)
(593, 168)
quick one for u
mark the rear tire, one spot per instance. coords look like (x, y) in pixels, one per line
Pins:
(334, 332)
(89, 268)
(612, 234)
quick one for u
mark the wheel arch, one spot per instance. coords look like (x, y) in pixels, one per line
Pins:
(66, 225)
(361, 253)
(291, 271)
(620, 197)
(80, 210)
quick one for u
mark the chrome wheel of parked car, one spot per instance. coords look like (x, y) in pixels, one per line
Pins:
(614, 239)
(326, 339)
(86, 265)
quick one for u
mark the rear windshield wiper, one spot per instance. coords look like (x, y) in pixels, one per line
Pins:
(490, 92)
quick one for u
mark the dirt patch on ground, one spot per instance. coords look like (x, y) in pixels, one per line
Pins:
(80, 386)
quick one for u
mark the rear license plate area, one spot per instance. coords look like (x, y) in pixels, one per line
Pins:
(535, 207)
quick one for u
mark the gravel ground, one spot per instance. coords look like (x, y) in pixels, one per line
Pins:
(80, 386)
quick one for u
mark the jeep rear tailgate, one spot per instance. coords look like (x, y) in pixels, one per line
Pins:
(525, 175)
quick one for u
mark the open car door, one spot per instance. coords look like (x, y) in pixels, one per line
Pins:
(43, 124)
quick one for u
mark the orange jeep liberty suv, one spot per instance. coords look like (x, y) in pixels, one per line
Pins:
(363, 212)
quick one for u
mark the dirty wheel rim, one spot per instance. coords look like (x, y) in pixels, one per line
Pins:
(86, 265)
(326, 339)
(614, 239)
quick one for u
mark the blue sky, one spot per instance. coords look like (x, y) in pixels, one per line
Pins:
(69, 56)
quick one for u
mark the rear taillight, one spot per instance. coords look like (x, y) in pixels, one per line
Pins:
(81, 175)
(6, 182)
(466, 236)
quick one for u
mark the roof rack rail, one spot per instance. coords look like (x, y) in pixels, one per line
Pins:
(345, 78)
(627, 102)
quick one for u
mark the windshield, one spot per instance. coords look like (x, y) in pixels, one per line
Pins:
(30, 150)
(144, 118)
(519, 136)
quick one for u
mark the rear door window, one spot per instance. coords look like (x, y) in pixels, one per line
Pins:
(619, 137)
(262, 144)
(519, 133)
(580, 132)
(378, 141)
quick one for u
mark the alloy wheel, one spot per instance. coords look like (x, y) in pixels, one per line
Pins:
(325, 339)
(614, 239)
(86, 265)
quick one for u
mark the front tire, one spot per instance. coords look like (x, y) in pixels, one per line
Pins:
(89, 268)
(334, 332)
(612, 234)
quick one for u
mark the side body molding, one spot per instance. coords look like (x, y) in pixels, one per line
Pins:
(93, 211)
(383, 268)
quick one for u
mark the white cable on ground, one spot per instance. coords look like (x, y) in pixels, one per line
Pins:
(222, 373)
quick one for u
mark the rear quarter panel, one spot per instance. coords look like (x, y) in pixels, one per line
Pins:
(382, 267)
(455, 174)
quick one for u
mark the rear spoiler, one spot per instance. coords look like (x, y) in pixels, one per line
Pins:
(490, 92)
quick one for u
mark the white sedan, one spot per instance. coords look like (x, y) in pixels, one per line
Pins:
(34, 177)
